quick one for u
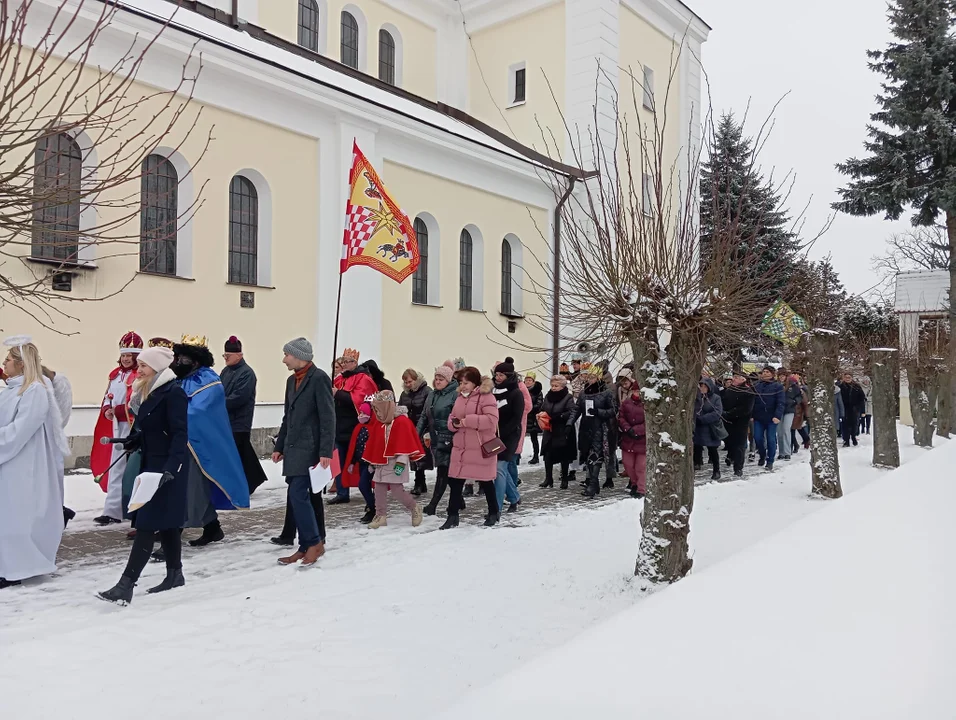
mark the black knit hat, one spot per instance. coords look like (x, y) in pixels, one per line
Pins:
(507, 367)
(233, 345)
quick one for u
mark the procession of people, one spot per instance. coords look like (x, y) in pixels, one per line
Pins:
(172, 445)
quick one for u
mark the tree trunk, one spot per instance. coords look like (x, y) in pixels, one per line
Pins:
(943, 408)
(921, 378)
(886, 445)
(951, 365)
(824, 456)
(668, 390)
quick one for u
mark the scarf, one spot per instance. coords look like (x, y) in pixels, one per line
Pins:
(300, 375)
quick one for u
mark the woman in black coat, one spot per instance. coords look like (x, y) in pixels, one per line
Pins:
(558, 444)
(413, 399)
(159, 433)
(597, 409)
(537, 397)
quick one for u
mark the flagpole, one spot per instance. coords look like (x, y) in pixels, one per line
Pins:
(338, 310)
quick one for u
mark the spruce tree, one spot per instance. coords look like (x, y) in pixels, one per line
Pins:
(911, 146)
(734, 193)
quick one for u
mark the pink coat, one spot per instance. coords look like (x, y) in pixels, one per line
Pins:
(527, 411)
(479, 415)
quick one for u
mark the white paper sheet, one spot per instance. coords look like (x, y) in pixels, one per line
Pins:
(320, 477)
(144, 487)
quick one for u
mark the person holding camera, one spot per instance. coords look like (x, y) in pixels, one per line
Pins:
(161, 436)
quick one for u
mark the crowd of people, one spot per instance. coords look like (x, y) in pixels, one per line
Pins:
(167, 415)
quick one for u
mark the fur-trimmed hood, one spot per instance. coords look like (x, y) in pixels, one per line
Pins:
(487, 385)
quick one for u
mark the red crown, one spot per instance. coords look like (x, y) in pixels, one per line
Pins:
(131, 342)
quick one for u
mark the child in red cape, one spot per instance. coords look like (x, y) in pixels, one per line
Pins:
(393, 444)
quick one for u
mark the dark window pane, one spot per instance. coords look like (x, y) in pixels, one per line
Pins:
(159, 216)
(519, 85)
(243, 231)
(350, 40)
(386, 57)
(57, 170)
(420, 277)
(309, 25)
(466, 248)
(506, 306)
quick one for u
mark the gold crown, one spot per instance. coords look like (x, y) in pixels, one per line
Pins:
(196, 340)
(161, 342)
(351, 354)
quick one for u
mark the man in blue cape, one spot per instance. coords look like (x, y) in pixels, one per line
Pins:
(216, 478)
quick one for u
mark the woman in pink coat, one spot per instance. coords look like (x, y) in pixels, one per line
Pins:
(473, 422)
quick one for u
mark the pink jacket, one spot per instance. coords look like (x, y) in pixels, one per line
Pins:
(527, 411)
(479, 415)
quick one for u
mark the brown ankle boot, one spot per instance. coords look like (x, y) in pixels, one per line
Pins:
(292, 559)
(313, 554)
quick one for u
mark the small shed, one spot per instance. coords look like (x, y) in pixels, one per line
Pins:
(920, 295)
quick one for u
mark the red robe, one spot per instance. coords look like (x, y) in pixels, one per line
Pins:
(400, 438)
(102, 455)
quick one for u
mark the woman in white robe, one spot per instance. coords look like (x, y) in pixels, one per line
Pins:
(32, 448)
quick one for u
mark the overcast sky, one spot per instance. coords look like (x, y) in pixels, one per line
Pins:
(816, 50)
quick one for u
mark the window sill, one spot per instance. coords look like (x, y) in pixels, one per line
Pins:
(165, 275)
(511, 316)
(65, 264)
(249, 285)
(469, 310)
(515, 104)
(427, 305)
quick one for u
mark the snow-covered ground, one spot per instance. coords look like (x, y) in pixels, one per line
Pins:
(404, 623)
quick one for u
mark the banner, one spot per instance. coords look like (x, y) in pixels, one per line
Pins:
(783, 324)
(377, 233)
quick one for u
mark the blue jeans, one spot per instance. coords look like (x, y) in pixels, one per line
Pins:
(765, 435)
(505, 484)
(513, 469)
(342, 492)
(308, 529)
(365, 484)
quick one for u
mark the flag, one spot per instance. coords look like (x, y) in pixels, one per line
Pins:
(783, 324)
(377, 233)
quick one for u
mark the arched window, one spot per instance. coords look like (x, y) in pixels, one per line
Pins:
(350, 40)
(159, 216)
(420, 278)
(58, 167)
(309, 25)
(507, 307)
(386, 57)
(243, 231)
(465, 271)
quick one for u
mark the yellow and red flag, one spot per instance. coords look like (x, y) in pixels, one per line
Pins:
(377, 233)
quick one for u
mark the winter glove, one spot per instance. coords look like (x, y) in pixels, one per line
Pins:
(133, 442)
(167, 476)
(632, 432)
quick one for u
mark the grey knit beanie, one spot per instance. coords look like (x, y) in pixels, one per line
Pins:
(299, 348)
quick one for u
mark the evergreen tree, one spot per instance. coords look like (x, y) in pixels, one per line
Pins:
(734, 194)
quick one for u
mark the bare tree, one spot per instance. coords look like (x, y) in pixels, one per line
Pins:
(922, 248)
(633, 271)
(63, 201)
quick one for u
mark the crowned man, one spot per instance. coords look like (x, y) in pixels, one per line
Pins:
(108, 461)
(216, 479)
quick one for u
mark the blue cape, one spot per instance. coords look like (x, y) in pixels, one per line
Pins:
(211, 441)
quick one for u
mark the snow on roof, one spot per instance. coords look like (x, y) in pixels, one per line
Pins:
(318, 69)
(924, 291)
(843, 614)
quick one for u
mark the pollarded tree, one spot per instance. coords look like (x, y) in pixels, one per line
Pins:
(911, 163)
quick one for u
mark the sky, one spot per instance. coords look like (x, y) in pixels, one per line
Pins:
(815, 50)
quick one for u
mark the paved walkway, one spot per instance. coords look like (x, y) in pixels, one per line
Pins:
(107, 545)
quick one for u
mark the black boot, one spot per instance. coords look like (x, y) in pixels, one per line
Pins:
(469, 491)
(121, 593)
(68, 515)
(634, 492)
(513, 507)
(370, 515)
(159, 556)
(174, 579)
(594, 483)
(564, 482)
(491, 519)
(210, 533)
(608, 484)
(106, 520)
(4, 583)
(429, 509)
(450, 522)
(279, 540)
(716, 474)
(548, 482)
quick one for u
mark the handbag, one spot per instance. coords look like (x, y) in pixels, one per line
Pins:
(720, 432)
(493, 447)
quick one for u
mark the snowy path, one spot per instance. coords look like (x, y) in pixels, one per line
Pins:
(396, 623)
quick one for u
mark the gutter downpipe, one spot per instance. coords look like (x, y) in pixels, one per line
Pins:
(235, 13)
(556, 303)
